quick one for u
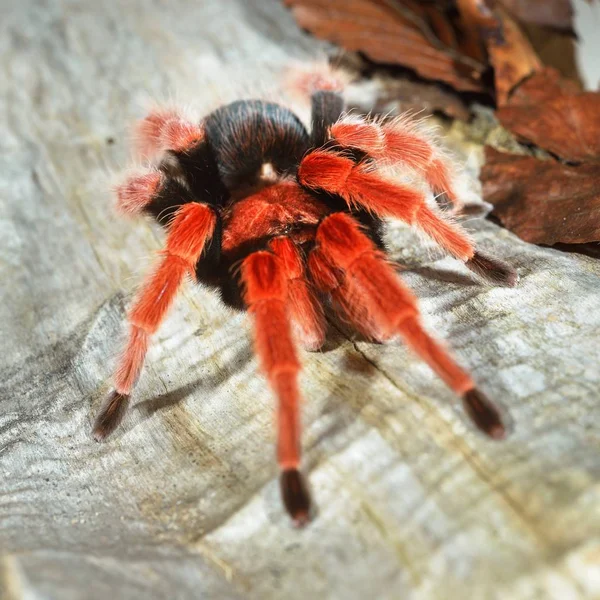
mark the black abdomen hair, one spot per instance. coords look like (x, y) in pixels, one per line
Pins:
(246, 134)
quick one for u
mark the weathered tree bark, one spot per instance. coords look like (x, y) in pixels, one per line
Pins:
(183, 501)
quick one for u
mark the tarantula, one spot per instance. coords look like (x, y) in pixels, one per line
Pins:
(281, 220)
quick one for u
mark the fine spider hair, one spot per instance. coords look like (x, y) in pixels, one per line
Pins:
(282, 220)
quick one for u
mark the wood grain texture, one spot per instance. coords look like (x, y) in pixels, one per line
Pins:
(183, 501)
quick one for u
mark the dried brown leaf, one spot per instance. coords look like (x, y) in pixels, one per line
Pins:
(552, 13)
(544, 85)
(555, 115)
(393, 95)
(510, 52)
(396, 33)
(543, 201)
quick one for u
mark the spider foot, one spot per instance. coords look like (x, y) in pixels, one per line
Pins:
(493, 270)
(296, 498)
(110, 416)
(484, 414)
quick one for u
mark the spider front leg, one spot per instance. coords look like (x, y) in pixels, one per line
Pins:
(362, 187)
(266, 295)
(455, 240)
(371, 282)
(189, 232)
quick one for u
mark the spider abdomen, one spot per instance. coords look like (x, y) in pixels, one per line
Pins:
(246, 134)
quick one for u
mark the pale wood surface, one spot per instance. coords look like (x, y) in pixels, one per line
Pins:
(183, 501)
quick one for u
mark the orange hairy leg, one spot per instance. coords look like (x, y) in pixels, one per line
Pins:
(372, 283)
(450, 236)
(189, 231)
(166, 129)
(399, 140)
(331, 281)
(266, 295)
(304, 308)
(358, 185)
(362, 187)
(455, 240)
(138, 191)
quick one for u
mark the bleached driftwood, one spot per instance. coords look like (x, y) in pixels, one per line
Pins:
(183, 501)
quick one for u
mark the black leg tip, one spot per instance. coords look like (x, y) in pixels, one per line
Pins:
(484, 414)
(493, 270)
(110, 416)
(296, 498)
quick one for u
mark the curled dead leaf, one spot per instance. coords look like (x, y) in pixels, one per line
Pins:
(510, 52)
(552, 13)
(408, 33)
(543, 201)
(384, 94)
(555, 115)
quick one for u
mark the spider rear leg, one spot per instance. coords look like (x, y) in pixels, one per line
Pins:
(266, 295)
(324, 86)
(373, 283)
(304, 308)
(137, 192)
(191, 229)
(400, 140)
(152, 192)
(187, 173)
(166, 129)
(327, 106)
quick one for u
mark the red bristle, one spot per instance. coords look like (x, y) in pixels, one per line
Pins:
(435, 355)
(158, 293)
(340, 240)
(179, 135)
(137, 192)
(148, 132)
(285, 386)
(439, 178)
(265, 294)
(321, 272)
(326, 170)
(132, 360)
(407, 147)
(369, 291)
(372, 286)
(365, 135)
(263, 278)
(449, 236)
(382, 197)
(304, 308)
(291, 261)
(270, 211)
(191, 228)
(319, 78)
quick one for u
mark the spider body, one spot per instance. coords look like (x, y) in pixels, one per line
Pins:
(281, 220)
